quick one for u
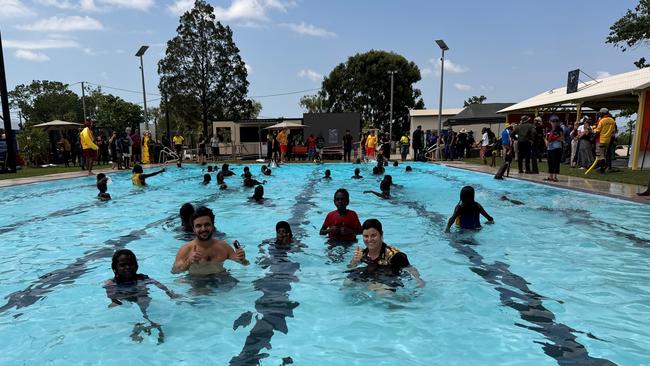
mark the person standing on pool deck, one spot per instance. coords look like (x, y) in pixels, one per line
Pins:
(205, 255)
(284, 141)
(177, 140)
(381, 256)
(467, 212)
(138, 177)
(347, 146)
(341, 224)
(371, 145)
(89, 148)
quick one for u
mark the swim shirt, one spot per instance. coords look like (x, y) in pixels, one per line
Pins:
(350, 221)
(135, 178)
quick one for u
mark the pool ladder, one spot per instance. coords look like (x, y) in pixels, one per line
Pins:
(167, 155)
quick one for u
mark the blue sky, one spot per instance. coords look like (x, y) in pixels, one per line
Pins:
(506, 50)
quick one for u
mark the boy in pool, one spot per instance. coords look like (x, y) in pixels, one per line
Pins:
(258, 195)
(384, 187)
(283, 234)
(328, 175)
(138, 177)
(225, 170)
(341, 224)
(206, 179)
(102, 186)
(129, 285)
(356, 174)
(467, 212)
(408, 168)
(249, 181)
(221, 182)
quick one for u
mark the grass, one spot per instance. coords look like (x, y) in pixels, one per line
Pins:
(27, 172)
(625, 175)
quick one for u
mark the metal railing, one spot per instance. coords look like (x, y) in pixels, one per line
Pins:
(166, 153)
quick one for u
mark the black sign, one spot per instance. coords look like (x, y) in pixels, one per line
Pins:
(572, 81)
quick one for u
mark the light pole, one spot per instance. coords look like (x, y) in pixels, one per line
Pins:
(390, 133)
(443, 47)
(141, 52)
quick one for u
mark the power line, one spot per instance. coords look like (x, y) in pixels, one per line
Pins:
(121, 89)
(287, 93)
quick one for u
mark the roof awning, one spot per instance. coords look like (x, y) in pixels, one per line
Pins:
(613, 92)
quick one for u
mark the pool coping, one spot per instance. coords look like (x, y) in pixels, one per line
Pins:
(624, 191)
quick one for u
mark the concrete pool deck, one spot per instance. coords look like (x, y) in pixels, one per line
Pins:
(610, 189)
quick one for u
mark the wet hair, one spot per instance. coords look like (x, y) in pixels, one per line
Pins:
(207, 178)
(120, 253)
(220, 178)
(100, 176)
(356, 171)
(284, 225)
(209, 168)
(467, 195)
(225, 166)
(263, 167)
(328, 173)
(344, 191)
(185, 213)
(388, 178)
(259, 192)
(137, 169)
(248, 175)
(200, 212)
(408, 168)
(267, 171)
(179, 164)
(375, 170)
(246, 169)
(372, 224)
(395, 163)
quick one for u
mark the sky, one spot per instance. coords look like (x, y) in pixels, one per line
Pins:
(506, 50)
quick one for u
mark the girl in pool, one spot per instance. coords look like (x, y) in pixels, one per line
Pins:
(129, 285)
(138, 177)
(467, 212)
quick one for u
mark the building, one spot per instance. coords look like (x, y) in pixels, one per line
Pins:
(428, 119)
(475, 117)
(245, 137)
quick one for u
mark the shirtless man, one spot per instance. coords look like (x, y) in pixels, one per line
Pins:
(205, 255)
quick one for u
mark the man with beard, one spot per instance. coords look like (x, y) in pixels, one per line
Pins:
(205, 255)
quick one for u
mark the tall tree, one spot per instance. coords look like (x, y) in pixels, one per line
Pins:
(362, 84)
(474, 100)
(202, 66)
(313, 103)
(632, 30)
(111, 112)
(45, 100)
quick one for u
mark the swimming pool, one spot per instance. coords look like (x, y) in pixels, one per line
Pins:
(561, 280)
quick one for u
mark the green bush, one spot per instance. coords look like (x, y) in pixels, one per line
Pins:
(33, 143)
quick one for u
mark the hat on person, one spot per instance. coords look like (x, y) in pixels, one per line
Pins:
(462, 130)
(538, 119)
(524, 119)
(508, 125)
(604, 111)
(554, 118)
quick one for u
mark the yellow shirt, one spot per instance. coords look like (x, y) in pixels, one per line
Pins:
(606, 127)
(371, 141)
(86, 137)
(282, 138)
(178, 140)
(135, 178)
(404, 140)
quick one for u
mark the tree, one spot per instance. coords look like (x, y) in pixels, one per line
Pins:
(362, 84)
(33, 143)
(202, 74)
(474, 100)
(256, 110)
(45, 100)
(313, 103)
(632, 30)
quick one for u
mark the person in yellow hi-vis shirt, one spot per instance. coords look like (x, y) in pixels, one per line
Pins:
(371, 145)
(177, 140)
(605, 129)
(404, 145)
(88, 146)
(145, 147)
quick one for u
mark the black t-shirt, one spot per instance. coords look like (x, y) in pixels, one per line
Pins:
(347, 140)
(417, 138)
(398, 262)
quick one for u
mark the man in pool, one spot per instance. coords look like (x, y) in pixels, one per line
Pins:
(205, 255)
(341, 224)
(129, 285)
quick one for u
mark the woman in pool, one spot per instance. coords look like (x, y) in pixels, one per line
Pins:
(129, 285)
(467, 212)
(138, 177)
(380, 258)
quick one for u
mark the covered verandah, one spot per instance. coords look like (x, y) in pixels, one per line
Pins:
(630, 90)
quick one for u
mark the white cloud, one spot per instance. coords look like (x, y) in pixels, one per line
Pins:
(462, 87)
(238, 9)
(449, 66)
(98, 5)
(14, 9)
(602, 74)
(486, 87)
(180, 7)
(63, 24)
(249, 69)
(308, 29)
(311, 75)
(41, 44)
(426, 72)
(31, 56)
(129, 4)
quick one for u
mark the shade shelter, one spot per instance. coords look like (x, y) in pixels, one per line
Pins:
(621, 91)
(475, 117)
(283, 125)
(58, 125)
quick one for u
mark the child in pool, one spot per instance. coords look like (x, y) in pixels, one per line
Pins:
(467, 212)
(102, 186)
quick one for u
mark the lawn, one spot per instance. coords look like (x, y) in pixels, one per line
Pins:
(624, 176)
(26, 172)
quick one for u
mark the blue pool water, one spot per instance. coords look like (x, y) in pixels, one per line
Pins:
(561, 280)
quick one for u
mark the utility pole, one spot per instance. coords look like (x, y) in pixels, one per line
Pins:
(6, 118)
(141, 52)
(390, 133)
(83, 98)
(443, 46)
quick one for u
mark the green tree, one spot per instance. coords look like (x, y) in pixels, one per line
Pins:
(202, 66)
(632, 30)
(313, 103)
(110, 112)
(256, 110)
(474, 100)
(33, 143)
(362, 84)
(45, 100)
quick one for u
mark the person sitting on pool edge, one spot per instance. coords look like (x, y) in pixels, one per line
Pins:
(328, 175)
(185, 214)
(138, 177)
(206, 179)
(356, 174)
(467, 212)
(384, 187)
(129, 285)
(250, 182)
(205, 255)
(102, 186)
(221, 182)
(379, 257)
(225, 170)
(258, 194)
(341, 224)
